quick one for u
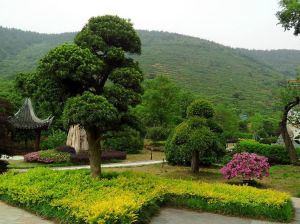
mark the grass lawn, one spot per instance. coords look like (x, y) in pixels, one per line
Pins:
(282, 177)
(131, 197)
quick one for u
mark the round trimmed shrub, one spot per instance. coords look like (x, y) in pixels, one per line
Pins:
(200, 108)
(194, 134)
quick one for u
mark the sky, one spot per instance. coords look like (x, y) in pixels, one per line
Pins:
(248, 24)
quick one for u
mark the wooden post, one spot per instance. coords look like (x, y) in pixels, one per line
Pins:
(37, 139)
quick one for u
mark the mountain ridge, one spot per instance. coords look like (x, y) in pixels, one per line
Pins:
(247, 80)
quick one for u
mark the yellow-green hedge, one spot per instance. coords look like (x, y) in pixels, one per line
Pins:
(74, 197)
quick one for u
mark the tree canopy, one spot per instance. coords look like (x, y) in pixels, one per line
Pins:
(93, 82)
(289, 16)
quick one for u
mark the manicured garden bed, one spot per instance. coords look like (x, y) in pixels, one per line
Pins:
(127, 197)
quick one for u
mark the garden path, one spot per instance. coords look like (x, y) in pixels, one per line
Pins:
(13, 215)
(109, 165)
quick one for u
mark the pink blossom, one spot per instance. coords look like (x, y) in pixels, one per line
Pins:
(248, 165)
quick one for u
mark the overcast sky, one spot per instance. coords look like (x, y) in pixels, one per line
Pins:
(236, 23)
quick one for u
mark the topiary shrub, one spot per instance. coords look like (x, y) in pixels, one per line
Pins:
(157, 133)
(197, 139)
(247, 165)
(276, 154)
(200, 108)
(66, 148)
(56, 139)
(127, 140)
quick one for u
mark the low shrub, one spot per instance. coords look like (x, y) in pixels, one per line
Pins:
(66, 148)
(276, 154)
(74, 197)
(83, 156)
(47, 156)
(247, 165)
(128, 140)
(56, 139)
(3, 166)
(158, 133)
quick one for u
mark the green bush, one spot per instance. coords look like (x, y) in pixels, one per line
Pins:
(244, 135)
(55, 156)
(157, 133)
(56, 139)
(200, 108)
(127, 197)
(277, 154)
(128, 140)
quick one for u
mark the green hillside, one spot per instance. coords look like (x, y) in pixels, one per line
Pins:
(246, 82)
(284, 61)
(20, 50)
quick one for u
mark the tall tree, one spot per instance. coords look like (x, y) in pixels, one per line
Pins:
(6, 110)
(289, 16)
(94, 83)
(290, 98)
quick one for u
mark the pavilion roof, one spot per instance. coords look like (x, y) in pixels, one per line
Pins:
(25, 118)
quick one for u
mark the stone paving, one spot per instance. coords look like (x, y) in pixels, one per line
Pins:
(13, 215)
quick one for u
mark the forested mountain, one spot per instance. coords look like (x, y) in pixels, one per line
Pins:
(284, 61)
(247, 80)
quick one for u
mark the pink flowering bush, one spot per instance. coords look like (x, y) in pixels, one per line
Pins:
(247, 165)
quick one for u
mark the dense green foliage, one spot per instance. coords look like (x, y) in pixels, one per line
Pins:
(90, 111)
(197, 136)
(289, 16)
(74, 197)
(163, 106)
(265, 128)
(229, 122)
(247, 83)
(55, 139)
(277, 154)
(128, 140)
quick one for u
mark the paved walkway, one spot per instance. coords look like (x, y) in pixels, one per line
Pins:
(13, 215)
(109, 165)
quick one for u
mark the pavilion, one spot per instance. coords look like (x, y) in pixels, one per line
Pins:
(25, 119)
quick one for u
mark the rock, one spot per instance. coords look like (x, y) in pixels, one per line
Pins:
(77, 138)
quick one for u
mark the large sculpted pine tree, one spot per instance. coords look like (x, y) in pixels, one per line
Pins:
(93, 82)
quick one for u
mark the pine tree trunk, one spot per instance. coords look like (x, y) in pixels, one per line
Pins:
(94, 153)
(195, 161)
(287, 140)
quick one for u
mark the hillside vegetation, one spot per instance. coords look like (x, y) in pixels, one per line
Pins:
(246, 80)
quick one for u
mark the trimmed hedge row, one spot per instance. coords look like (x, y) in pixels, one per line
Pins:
(65, 154)
(276, 154)
(74, 197)
(47, 156)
